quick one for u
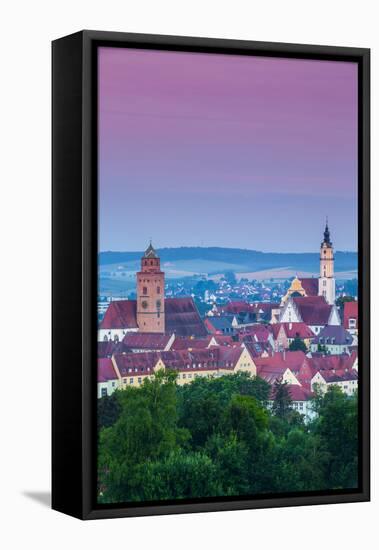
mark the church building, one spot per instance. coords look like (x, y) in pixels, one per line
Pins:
(151, 313)
(327, 282)
(150, 294)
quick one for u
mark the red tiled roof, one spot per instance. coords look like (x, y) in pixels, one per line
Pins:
(287, 359)
(298, 330)
(107, 349)
(350, 311)
(120, 314)
(105, 370)
(181, 343)
(332, 362)
(340, 375)
(310, 285)
(183, 318)
(275, 328)
(270, 373)
(313, 309)
(255, 333)
(136, 363)
(236, 307)
(223, 340)
(146, 340)
(298, 393)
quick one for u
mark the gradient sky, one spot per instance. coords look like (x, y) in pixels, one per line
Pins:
(216, 150)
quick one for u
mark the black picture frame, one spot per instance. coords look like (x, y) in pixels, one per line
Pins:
(74, 270)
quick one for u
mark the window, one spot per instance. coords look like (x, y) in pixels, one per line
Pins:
(105, 338)
(139, 380)
(104, 392)
(131, 381)
(144, 290)
(158, 289)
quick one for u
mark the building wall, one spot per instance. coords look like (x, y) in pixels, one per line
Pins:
(150, 296)
(107, 388)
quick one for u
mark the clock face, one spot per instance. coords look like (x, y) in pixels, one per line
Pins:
(144, 304)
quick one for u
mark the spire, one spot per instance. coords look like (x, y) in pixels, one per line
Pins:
(150, 252)
(327, 234)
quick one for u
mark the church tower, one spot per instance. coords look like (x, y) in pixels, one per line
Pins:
(150, 293)
(326, 281)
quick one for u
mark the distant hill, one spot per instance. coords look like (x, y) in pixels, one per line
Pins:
(216, 259)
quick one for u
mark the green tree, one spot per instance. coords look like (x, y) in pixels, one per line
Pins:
(341, 301)
(298, 344)
(282, 405)
(337, 428)
(180, 475)
(146, 429)
(108, 410)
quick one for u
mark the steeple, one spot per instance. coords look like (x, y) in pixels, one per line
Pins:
(150, 293)
(327, 284)
(150, 252)
(327, 240)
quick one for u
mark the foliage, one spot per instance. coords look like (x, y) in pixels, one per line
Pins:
(108, 410)
(218, 437)
(341, 301)
(298, 344)
(282, 406)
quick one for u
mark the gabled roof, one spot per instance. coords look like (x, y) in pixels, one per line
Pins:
(136, 363)
(105, 370)
(146, 340)
(333, 334)
(255, 333)
(297, 393)
(256, 349)
(339, 375)
(314, 310)
(350, 311)
(183, 343)
(223, 339)
(343, 361)
(107, 349)
(310, 285)
(288, 359)
(182, 317)
(270, 373)
(120, 314)
(297, 330)
(219, 323)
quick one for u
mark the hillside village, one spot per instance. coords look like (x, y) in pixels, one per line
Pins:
(302, 339)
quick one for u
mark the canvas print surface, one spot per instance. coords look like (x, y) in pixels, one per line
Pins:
(227, 276)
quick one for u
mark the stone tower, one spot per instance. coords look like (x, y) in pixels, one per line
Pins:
(150, 293)
(326, 281)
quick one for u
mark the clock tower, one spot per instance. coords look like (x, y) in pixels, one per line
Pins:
(326, 281)
(150, 293)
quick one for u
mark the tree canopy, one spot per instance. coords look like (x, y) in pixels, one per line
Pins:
(217, 437)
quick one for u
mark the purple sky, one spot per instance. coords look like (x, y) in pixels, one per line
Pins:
(215, 150)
